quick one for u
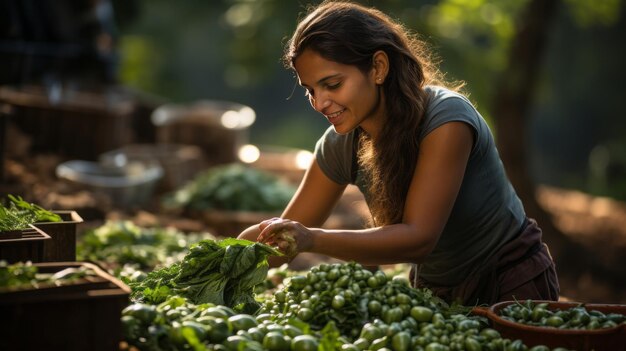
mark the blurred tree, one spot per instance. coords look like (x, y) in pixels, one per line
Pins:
(512, 104)
(55, 42)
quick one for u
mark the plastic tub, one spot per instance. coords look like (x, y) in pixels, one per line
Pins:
(180, 163)
(609, 339)
(127, 186)
(219, 128)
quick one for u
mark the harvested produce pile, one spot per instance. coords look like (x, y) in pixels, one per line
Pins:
(222, 272)
(126, 249)
(232, 187)
(331, 307)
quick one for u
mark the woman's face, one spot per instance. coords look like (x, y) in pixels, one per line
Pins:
(346, 96)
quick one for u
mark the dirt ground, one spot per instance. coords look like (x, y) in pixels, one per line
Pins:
(596, 222)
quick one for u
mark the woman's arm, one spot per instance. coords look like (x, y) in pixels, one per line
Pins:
(437, 178)
(311, 205)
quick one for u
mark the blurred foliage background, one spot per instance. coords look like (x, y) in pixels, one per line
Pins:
(186, 51)
(231, 49)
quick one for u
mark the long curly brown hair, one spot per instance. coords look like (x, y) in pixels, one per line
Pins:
(350, 34)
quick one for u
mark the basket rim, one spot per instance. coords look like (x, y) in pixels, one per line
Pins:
(493, 314)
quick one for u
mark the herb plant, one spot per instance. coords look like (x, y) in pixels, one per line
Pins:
(19, 214)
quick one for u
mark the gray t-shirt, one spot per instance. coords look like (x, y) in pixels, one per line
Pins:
(487, 212)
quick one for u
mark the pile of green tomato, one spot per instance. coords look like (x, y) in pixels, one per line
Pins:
(331, 307)
(578, 317)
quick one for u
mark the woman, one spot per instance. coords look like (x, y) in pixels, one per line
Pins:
(421, 154)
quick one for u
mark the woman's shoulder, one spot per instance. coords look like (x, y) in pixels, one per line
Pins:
(445, 105)
(444, 101)
(439, 94)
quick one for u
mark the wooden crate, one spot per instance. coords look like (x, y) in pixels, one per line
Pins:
(23, 245)
(62, 247)
(81, 316)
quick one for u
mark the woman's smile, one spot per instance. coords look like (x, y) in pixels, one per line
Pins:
(333, 118)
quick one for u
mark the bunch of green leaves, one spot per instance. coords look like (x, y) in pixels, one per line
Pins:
(17, 274)
(223, 272)
(119, 243)
(232, 187)
(24, 275)
(19, 214)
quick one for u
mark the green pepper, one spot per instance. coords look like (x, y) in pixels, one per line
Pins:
(275, 341)
(146, 314)
(304, 343)
(421, 313)
(401, 341)
(242, 322)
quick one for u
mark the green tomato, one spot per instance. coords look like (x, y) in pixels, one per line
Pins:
(516, 345)
(393, 314)
(292, 330)
(333, 274)
(401, 341)
(256, 334)
(280, 296)
(467, 324)
(402, 298)
(144, 313)
(421, 313)
(490, 333)
(298, 281)
(275, 341)
(371, 332)
(242, 322)
(379, 343)
(372, 282)
(362, 343)
(234, 342)
(219, 330)
(304, 343)
(305, 314)
(374, 307)
(199, 329)
(338, 302)
(215, 312)
(472, 344)
(554, 321)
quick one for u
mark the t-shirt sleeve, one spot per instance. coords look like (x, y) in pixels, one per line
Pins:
(451, 109)
(333, 153)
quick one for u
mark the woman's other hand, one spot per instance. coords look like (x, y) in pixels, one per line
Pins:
(289, 236)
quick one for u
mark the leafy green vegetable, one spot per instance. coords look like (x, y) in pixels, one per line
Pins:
(19, 214)
(24, 275)
(118, 245)
(232, 187)
(223, 272)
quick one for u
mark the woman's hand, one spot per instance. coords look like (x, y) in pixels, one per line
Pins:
(289, 236)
